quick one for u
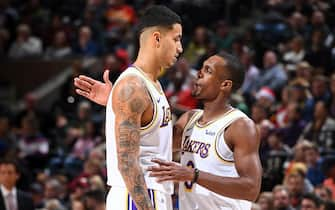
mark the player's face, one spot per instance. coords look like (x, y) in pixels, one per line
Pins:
(171, 47)
(207, 85)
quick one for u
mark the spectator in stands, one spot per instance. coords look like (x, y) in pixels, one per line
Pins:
(53, 190)
(321, 130)
(304, 71)
(37, 193)
(10, 196)
(92, 18)
(266, 97)
(57, 23)
(25, 45)
(85, 143)
(298, 155)
(318, 22)
(197, 47)
(320, 92)
(95, 200)
(265, 201)
(251, 76)
(85, 45)
(317, 54)
(281, 198)
(294, 126)
(298, 24)
(59, 48)
(323, 192)
(273, 76)
(297, 184)
(276, 154)
(32, 144)
(310, 202)
(223, 37)
(314, 165)
(77, 204)
(294, 55)
(280, 114)
(54, 204)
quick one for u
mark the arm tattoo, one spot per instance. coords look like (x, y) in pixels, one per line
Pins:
(129, 167)
(130, 106)
(126, 92)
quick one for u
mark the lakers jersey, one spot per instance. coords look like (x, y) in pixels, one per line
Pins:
(155, 138)
(204, 147)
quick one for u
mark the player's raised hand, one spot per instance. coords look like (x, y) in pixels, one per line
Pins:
(92, 89)
(170, 171)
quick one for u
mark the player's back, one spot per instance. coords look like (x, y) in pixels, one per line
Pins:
(204, 147)
(155, 137)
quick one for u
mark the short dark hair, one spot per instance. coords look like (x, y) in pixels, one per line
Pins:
(158, 15)
(7, 161)
(235, 68)
(311, 196)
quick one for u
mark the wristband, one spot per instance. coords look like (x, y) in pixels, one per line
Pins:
(196, 175)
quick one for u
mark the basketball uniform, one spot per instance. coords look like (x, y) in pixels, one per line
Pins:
(204, 147)
(155, 142)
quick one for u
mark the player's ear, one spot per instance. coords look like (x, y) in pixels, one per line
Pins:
(157, 36)
(226, 84)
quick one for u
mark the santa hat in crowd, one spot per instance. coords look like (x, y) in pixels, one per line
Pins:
(267, 93)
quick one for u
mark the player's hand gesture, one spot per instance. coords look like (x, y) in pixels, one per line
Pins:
(170, 171)
(92, 89)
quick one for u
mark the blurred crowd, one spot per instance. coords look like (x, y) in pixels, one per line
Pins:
(288, 50)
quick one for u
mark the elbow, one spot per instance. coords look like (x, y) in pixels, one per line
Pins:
(253, 188)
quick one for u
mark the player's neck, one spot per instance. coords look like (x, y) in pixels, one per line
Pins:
(148, 65)
(212, 110)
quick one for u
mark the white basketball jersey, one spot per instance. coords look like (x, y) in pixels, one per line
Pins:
(204, 147)
(155, 138)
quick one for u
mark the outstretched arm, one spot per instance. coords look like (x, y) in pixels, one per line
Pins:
(130, 100)
(92, 89)
(245, 146)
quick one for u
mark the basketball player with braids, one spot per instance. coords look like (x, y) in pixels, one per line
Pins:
(138, 117)
(220, 166)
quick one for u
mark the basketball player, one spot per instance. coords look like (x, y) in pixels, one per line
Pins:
(220, 166)
(138, 117)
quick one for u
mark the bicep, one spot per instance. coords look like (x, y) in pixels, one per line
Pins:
(129, 102)
(246, 145)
